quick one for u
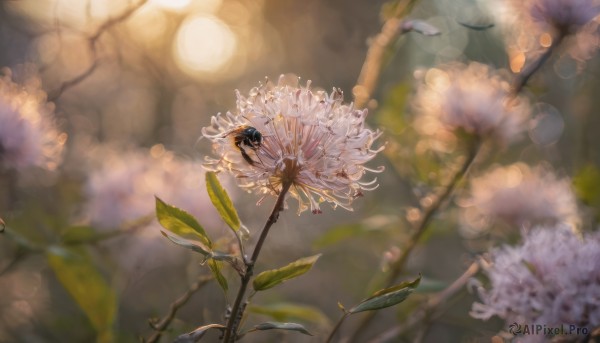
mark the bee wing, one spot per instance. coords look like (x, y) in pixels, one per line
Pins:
(235, 130)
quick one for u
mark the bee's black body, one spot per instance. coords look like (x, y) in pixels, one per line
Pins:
(247, 136)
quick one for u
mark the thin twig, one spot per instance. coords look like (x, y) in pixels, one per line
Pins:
(20, 254)
(337, 327)
(127, 229)
(161, 325)
(528, 71)
(92, 40)
(422, 225)
(371, 69)
(75, 80)
(420, 228)
(116, 20)
(432, 305)
(237, 311)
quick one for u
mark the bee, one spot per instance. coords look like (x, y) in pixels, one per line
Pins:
(246, 136)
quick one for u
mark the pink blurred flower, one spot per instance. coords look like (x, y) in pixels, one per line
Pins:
(531, 26)
(565, 16)
(521, 197)
(28, 133)
(25, 301)
(472, 98)
(553, 278)
(120, 191)
(308, 137)
(122, 187)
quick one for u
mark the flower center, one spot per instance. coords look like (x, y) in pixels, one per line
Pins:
(290, 171)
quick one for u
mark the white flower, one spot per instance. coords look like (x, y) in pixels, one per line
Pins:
(553, 278)
(28, 134)
(521, 197)
(309, 139)
(472, 98)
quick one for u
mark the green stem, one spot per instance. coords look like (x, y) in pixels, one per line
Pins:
(418, 232)
(237, 310)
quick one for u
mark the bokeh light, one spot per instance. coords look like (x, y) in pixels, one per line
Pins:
(547, 125)
(148, 26)
(130, 85)
(172, 4)
(203, 45)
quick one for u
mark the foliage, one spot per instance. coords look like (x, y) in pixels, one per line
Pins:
(102, 107)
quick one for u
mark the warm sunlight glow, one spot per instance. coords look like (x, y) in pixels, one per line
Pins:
(517, 61)
(204, 44)
(546, 40)
(148, 26)
(172, 4)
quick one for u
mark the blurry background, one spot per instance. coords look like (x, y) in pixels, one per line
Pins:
(130, 75)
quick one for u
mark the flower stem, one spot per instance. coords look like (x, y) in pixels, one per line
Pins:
(430, 307)
(527, 72)
(418, 232)
(237, 310)
(337, 327)
(378, 52)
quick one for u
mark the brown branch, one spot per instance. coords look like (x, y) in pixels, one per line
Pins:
(431, 306)
(528, 71)
(92, 40)
(74, 81)
(237, 311)
(116, 20)
(418, 231)
(161, 325)
(371, 69)
(337, 326)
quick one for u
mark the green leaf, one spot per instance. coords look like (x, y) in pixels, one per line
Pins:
(281, 326)
(194, 245)
(282, 312)
(272, 278)
(215, 268)
(76, 272)
(221, 201)
(180, 222)
(387, 297)
(587, 187)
